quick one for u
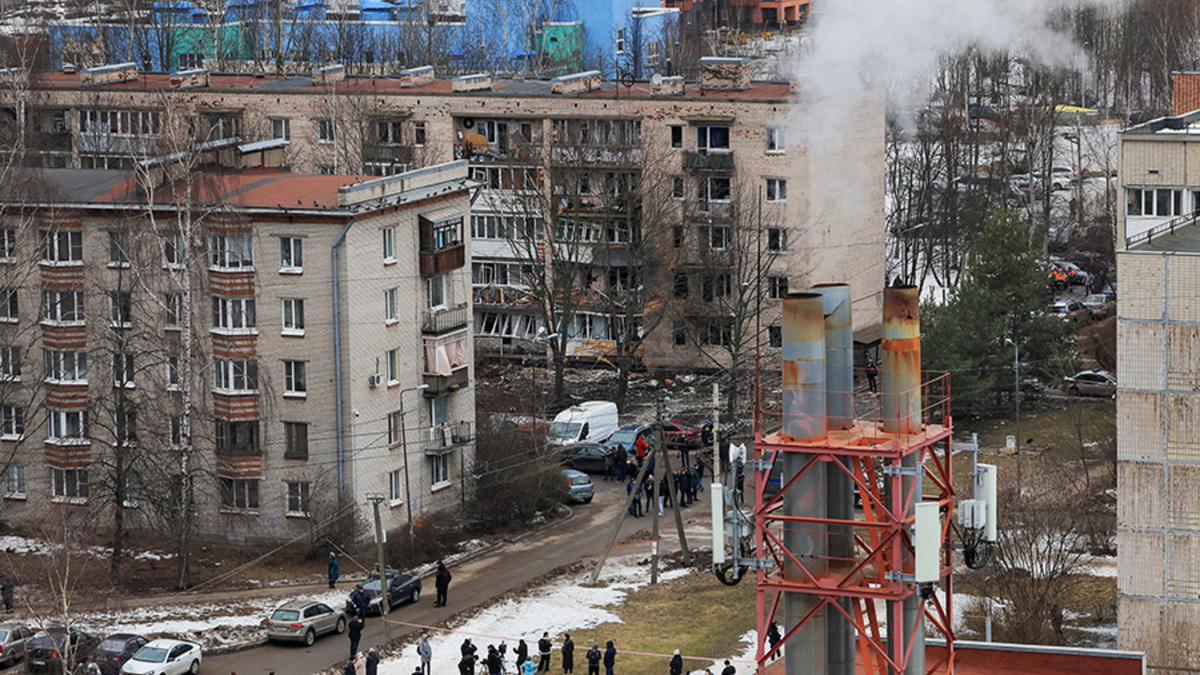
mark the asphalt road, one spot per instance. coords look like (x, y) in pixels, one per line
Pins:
(475, 582)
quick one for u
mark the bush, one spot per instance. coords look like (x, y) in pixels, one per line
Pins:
(518, 475)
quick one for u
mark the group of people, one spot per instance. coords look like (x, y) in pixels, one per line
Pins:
(362, 664)
(684, 485)
(494, 662)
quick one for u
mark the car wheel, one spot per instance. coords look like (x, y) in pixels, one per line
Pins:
(195, 667)
(341, 626)
(309, 638)
(416, 595)
(1074, 391)
(588, 500)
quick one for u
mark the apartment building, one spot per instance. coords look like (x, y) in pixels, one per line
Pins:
(294, 343)
(745, 204)
(1158, 400)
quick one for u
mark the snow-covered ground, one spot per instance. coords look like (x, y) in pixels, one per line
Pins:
(24, 545)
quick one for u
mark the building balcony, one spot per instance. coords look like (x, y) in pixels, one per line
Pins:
(478, 152)
(54, 141)
(592, 155)
(446, 320)
(388, 154)
(708, 161)
(444, 384)
(448, 259)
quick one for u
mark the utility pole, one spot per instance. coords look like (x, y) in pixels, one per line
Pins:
(714, 486)
(658, 448)
(376, 499)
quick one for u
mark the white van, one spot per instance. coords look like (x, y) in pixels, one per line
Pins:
(589, 421)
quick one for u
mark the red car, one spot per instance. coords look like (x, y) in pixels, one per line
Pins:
(679, 434)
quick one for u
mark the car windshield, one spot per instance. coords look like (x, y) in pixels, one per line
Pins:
(565, 429)
(623, 437)
(112, 646)
(3, 635)
(285, 615)
(580, 480)
(151, 655)
(1098, 299)
(373, 586)
(49, 639)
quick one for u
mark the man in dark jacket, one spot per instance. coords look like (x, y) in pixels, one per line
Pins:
(522, 653)
(333, 568)
(676, 664)
(372, 662)
(648, 491)
(442, 583)
(361, 601)
(6, 592)
(466, 666)
(622, 462)
(355, 632)
(349, 668)
(610, 658)
(593, 659)
(493, 661)
(568, 654)
(544, 646)
(467, 649)
(728, 669)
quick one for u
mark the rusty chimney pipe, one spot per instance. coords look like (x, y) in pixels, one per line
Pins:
(803, 367)
(901, 367)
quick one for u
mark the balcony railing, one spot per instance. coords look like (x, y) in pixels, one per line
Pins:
(434, 263)
(615, 155)
(446, 320)
(392, 154)
(443, 384)
(708, 161)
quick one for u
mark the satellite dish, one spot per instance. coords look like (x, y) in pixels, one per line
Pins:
(656, 79)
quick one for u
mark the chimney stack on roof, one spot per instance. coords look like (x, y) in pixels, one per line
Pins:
(476, 82)
(666, 86)
(116, 72)
(328, 74)
(189, 79)
(415, 77)
(724, 74)
(576, 83)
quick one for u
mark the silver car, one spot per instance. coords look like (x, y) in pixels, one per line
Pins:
(304, 620)
(579, 486)
(12, 642)
(1092, 383)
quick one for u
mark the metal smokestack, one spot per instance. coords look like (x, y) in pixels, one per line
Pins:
(901, 371)
(804, 420)
(839, 502)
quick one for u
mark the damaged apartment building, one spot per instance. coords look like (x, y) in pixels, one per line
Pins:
(652, 219)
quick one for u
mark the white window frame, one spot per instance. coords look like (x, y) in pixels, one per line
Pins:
(776, 140)
(62, 247)
(620, 41)
(119, 246)
(439, 471)
(120, 309)
(395, 492)
(281, 127)
(235, 376)
(776, 190)
(9, 305)
(53, 311)
(295, 379)
(10, 364)
(172, 309)
(781, 240)
(419, 137)
(122, 370)
(436, 286)
(64, 366)
(12, 423)
(391, 306)
(704, 139)
(173, 250)
(238, 315)
(325, 131)
(60, 424)
(69, 485)
(243, 490)
(8, 245)
(299, 499)
(291, 255)
(389, 245)
(173, 377)
(292, 316)
(14, 482)
(392, 361)
(231, 251)
(678, 188)
(777, 286)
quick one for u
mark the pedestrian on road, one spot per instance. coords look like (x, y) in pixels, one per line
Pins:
(648, 490)
(699, 469)
(676, 664)
(360, 664)
(610, 464)
(664, 492)
(635, 506)
(593, 659)
(522, 653)
(610, 658)
(622, 462)
(349, 668)
(568, 654)
(640, 448)
(442, 582)
(872, 373)
(544, 647)
(333, 568)
(361, 601)
(494, 666)
(355, 632)
(729, 669)
(425, 651)
(6, 592)
(372, 662)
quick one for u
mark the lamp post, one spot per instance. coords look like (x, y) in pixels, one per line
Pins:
(404, 449)
(1017, 400)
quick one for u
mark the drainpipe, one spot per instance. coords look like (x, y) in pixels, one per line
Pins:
(339, 415)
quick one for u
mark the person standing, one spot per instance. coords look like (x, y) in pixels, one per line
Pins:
(372, 662)
(425, 651)
(349, 667)
(544, 647)
(728, 669)
(622, 462)
(648, 490)
(466, 665)
(610, 658)
(333, 568)
(355, 632)
(872, 373)
(6, 592)
(442, 583)
(593, 659)
(640, 448)
(494, 667)
(361, 602)
(635, 505)
(676, 664)
(529, 668)
(568, 654)
(773, 638)
(664, 492)
(522, 653)
(467, 649)
(360, 664)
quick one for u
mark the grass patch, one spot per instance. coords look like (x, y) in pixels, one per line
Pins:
(694, 614)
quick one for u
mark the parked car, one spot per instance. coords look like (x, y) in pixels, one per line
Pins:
(585, 457)
(402, 587)
(679, 434)
(115, 651)
(303, 621)
(1023, 188)
(47, 650)
(1065, 274)
(1098, 305)
(1061, 177)
(587, 421)
(579, 486)
(1091, 383)
(12, 642)
(1068, 310)
(628, 435)
(164, 657)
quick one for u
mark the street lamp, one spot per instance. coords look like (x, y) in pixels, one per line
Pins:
(1017, 399)
(404, 450)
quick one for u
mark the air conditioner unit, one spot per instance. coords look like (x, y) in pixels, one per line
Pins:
(376, 380)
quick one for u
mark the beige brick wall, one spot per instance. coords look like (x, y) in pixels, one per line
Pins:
(1143, 282)
(1141, 426)
(1141, 625)
(1141, 575)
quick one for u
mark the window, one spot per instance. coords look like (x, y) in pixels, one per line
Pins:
(70, 483)
(620, 40)
(122, 370)
(176, 431)
(676, 136)
(718, 286)
(173, 373)
(120, 309)
(677, 235)
(231, 251)
(8, 244)
(237, 438)
(776, 240)
(716, 236)
(281, 127)
(235, 375)
(10, 363)
(438, 470)
(715, 189)
(118, 248)
(239, 494)
(62, 246)
(294, 381)
(298, 503)
(395, 496)
(389, 244)
(125, 427)
(63, 306)
(234, 314)
(172, 309)
(325, 131)
(295, 439)
(776, 190)
(1161, 202)
(680, 287)
(435, 291)
(393, 365)
(67, 424)
(65, 366)
(12, 422)
(387, 132)
(190, 60)
(15, 481)
(391, 305)
(716, 333)
(173, 249)
(442, 235)
(712, 139)
(775, 336)
(776, 141)
(395, 428)
(8, 304)
(419, 134)
(293, 316)
(291, 253)
(777, 287)
(677, 187)
(679, 335)
(439, 410)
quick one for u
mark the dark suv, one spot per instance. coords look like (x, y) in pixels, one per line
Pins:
(115, 650)
(47, 650)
